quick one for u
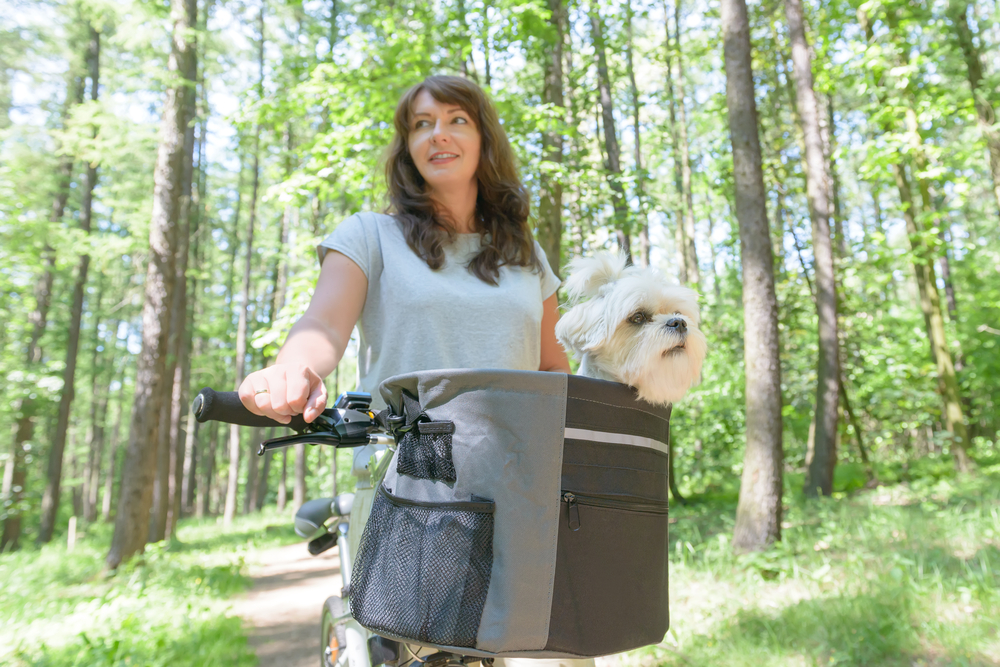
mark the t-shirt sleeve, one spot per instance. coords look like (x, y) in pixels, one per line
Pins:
(356, 238)
(550, 281)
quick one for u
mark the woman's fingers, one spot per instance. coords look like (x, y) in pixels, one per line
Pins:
(300, 380)
(248, 393)
(283, 390)
(316, 402)
(278, 393)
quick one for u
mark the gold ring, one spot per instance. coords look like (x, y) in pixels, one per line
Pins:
(260, 391)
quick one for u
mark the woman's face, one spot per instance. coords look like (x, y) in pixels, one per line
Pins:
(444, 143)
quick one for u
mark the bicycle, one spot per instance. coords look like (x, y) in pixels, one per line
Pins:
(326, 522)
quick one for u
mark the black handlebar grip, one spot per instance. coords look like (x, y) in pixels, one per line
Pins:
(226, 406)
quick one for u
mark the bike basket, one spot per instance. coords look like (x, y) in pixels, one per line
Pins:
(524, 514)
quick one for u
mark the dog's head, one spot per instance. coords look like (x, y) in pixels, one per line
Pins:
(634, 325)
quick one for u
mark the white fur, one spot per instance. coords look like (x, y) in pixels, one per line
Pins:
(659, 362)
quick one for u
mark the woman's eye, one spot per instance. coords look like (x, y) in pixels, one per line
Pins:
(638, 318)
(420, 123)
(460, 120)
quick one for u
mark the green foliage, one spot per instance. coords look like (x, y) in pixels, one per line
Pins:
(895, 576)
(60, 607)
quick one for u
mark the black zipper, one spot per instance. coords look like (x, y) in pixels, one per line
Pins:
(486, 506)
(573, 500)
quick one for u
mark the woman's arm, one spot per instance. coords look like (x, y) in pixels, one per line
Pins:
(553, 355)
(294, 384)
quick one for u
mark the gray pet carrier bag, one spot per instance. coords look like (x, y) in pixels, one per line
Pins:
(524, 514)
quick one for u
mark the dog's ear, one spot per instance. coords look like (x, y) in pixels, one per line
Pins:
(582, 328)
(589, 274)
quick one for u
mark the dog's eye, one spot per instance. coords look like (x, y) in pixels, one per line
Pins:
(639, 318)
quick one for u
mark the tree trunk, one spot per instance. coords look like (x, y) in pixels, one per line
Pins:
(28, 404)
(50, 498)
(98, 419)
(283, 481)
(930, 299)
(930, 304)
(829, 134)
(819, 477)
(758, 515)
(613, 163)
(252, 483)
(109, 478)
(204, 494)
(299, 491)
(241, 332)
(550, 196)
(680, 235)
(690, 249)
(716, 288)
(75, 473)
(644, 244)
(262, 480)
(135, 498)
(958, 11)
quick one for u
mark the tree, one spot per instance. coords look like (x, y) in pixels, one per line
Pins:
(819, 478)
(550, 196)
(241, 331)
(690, 249)
(135, 497)
(958, 12)
(758, 515)
(28, 403)
(50, 500)
(644, 243)
(923, 256)
(613, 164)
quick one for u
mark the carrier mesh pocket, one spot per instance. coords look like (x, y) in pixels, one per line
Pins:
(427, 456)
(422, 572)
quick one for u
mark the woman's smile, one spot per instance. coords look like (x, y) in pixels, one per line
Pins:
(444, 143)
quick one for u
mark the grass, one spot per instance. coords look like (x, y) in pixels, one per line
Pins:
(898, 575)
(902, 574)
(169, 607)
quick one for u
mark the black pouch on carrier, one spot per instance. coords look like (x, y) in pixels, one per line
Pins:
(540, 530)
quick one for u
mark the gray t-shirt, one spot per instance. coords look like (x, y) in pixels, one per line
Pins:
(415, 318)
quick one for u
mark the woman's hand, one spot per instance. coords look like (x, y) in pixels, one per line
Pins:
(283, 390)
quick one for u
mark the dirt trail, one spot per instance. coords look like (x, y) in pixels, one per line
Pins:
(284, 605)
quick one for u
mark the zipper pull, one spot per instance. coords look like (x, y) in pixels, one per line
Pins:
(574, 511)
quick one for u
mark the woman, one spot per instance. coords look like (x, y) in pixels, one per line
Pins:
(452, 279)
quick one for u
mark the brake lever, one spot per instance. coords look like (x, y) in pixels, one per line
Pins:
(321, 438)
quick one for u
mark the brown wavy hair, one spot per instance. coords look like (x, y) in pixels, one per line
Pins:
(502, 203)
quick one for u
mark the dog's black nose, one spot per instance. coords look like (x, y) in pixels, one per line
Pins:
(677, 324)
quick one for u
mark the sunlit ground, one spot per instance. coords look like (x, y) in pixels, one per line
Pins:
(897, 575)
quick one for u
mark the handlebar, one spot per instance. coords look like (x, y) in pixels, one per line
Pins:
(348, 424)
(225, 406)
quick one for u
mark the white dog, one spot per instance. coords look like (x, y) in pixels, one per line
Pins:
(631, 325)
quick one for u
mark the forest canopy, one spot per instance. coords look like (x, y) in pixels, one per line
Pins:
(167, 168)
